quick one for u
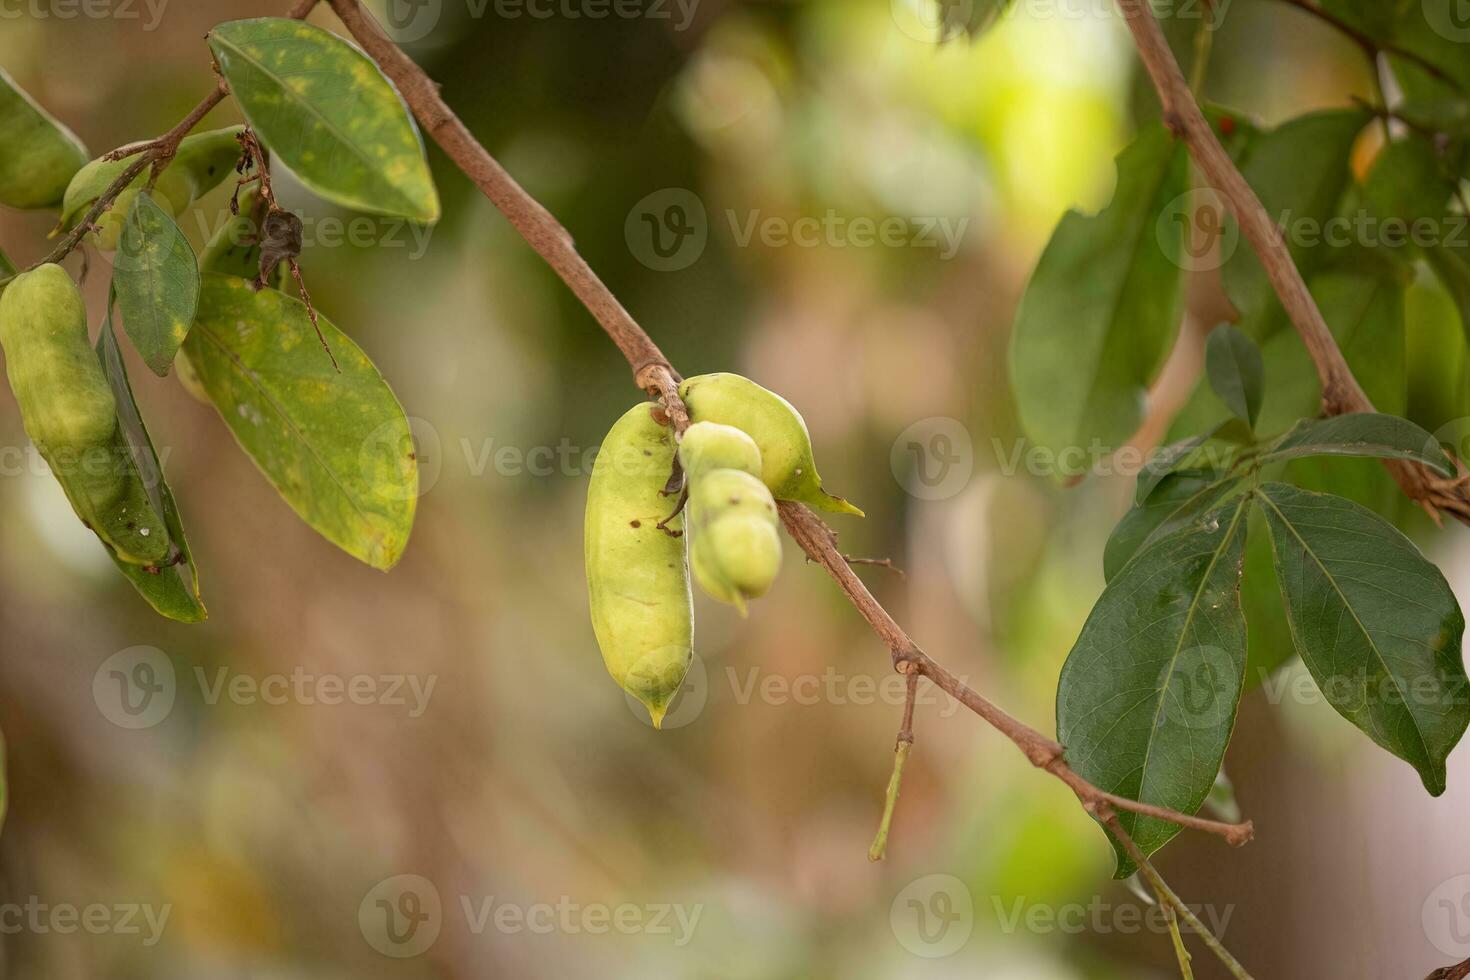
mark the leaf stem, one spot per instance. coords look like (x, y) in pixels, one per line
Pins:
(901, 747)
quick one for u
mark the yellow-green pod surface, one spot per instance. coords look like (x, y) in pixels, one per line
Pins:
(734, 541)
(65, 401)
(787, 466)
(38, 155)
(202, 162)
(708, 446)
(70, 412)
(637, 573)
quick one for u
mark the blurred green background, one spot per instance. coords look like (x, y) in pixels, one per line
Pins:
(269, 826)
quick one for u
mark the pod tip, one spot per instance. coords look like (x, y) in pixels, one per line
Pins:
(838, 505)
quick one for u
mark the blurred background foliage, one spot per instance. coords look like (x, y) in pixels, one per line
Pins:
(528, 778)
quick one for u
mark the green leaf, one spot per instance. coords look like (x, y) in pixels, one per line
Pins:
(1102, 308)
(173, 588)
(1300, 172)
(7, 267)
(1409, 182)
(1148, 695)
(336, 446)
(156, 278)
(1436, 31)
(1213, 449)
(1360, 434)
(1452, 266)
(1375, 623)
(1179, 498)
(329, 113)
(1366, 316)
(1237, 374)
(38, 155)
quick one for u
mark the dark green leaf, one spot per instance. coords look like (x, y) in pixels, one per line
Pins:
(171, 588)
(1375, 623)
(1178, 498)
(1300, 172)
(337, 447)
(1436, 31)
(1213, 449)
(1148, 695)
(38, 155)
(1409, 182)
(1452, 266)
(7, 268)
(329, 113)
(156, 278)
(1236, 372)
(1101, 309)
(1360, 434)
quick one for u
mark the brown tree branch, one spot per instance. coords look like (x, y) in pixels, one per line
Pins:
(1457, 972)
(1341, 392)
(653, 372)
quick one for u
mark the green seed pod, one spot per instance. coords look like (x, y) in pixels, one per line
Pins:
(70, 413)
(787, 466)
(64, 397)
(734, 541)
(201, 163)
(637, 573)
(38, 155)
(708, 446)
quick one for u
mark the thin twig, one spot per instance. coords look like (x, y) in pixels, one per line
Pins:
(1341, 392)
(1373, 46)
(901, 748)
(878, 562)
(157, 153)
(818, 541)
(1166, 894)
(1186, 972)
